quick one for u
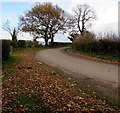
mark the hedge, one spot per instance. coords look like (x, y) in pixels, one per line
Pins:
(6, 48)
(21, 44)
(99, 47)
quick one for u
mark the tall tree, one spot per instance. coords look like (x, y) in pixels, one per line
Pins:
(11, 30)
(44, 20)
(84, 15)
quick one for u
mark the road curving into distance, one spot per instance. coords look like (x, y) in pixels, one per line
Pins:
(102, 76)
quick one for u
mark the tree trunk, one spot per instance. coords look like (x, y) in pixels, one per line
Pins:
(14, 36)
(52, 39)
(46, 42)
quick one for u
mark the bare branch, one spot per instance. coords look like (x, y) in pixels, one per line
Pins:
(83, 15)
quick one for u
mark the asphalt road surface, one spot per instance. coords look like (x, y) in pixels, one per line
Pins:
(103, 73)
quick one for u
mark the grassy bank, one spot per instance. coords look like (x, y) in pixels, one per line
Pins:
(105, 47)
(100, 57)
(11, 60)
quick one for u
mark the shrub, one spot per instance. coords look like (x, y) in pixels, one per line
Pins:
(14, 44)
(84, 42)
(29, 44)
(5, 49)
(36, 44)
(32, 44)
(59, 44)
(86, 38)
(21, 44)
(107, 45)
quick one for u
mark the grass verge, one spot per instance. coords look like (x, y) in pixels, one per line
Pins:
(8, 66)
(11, 60)
(95, 56)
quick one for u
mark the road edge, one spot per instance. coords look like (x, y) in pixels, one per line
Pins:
(91, 58)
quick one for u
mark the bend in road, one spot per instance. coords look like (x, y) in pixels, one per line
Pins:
(82, 67)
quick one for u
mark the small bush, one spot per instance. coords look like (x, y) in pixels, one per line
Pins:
(21, 44)
(32, 44)
(29, 44)
(84, 42)
(5, 49)
(86, 38)
(14, 44)
(36, 44)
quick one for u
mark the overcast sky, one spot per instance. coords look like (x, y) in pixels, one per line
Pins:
(106, 11)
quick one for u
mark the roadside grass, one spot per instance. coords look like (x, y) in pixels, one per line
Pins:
(29, 103)
(109, 57)
(11, 60)
(8, 66)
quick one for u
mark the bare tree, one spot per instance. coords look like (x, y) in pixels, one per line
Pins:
(12, 31)
(84, 15)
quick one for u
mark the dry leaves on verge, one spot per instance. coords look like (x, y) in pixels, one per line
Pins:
(34, 87)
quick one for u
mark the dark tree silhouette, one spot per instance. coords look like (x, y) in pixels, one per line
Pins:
(83, 17)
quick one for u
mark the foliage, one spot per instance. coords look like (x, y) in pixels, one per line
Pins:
(14, 44)
(59, 44)
(105, 46)
(43, 21)
(6, 48)
(21, 44)
(32, 44)
(36, 44)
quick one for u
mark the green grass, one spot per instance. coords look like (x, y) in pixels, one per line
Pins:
(11, 60)
(29, 103)
(9, 65)
(7, 73)
(97, 55)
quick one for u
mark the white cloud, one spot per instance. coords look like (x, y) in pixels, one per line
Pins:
(61, 38)
(5, 35)
(24, 36)
(21, 36)
(107, 27)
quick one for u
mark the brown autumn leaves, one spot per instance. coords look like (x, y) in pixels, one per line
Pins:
(37, 88)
